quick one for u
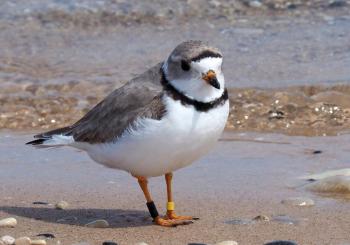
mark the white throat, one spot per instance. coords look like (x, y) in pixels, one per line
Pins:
(196, 88)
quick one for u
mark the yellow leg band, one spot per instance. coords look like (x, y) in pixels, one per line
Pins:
(170, 206)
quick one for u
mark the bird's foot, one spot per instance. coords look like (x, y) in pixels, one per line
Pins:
(171, 222)
(171, 215)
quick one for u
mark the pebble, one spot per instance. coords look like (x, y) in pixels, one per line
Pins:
(285, 219)
(40, 203)
(67, 219)
(23, 241)
(255, 4)
(47, 235)
(100, 223)
(61, 205)
(109, 243)
(298, 201)
(141, 243)
(337, 3)
(330, 173)
(8, 222)
(240, 222)
(38, 242)
(227, 243)
(335, 184)
(280, 242)
(262, 218)
(8, 240)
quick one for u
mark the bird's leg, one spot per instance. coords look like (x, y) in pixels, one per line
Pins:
(143, 182)
(170, 214)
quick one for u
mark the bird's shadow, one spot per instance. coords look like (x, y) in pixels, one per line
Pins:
(117, 218)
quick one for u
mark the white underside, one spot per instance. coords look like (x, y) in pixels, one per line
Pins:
(155, 147)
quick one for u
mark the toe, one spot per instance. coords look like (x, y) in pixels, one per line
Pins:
(171, 222)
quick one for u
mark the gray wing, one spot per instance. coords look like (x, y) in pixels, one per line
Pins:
(140, 97)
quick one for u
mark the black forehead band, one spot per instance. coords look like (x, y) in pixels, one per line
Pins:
(206, 54)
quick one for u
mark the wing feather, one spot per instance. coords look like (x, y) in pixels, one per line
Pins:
(140, 97)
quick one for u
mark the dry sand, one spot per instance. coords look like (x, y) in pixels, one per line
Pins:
(245, 176)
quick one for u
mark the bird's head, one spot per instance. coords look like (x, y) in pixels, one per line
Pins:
(194, 69)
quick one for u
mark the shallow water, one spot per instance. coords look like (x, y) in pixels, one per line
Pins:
(58, 59)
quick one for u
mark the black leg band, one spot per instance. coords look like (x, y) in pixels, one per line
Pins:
(152, 209)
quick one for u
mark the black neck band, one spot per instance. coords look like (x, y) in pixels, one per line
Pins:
(200, 106)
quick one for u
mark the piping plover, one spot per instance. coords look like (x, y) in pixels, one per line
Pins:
(156, 123)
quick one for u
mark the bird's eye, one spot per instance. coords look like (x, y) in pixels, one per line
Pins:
(185, 65)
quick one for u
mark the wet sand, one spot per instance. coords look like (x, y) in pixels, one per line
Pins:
(58, 60)
(245, 176)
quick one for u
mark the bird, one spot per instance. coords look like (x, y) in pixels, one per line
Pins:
(156, 123)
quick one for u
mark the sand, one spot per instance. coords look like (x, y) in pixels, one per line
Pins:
(245, 176)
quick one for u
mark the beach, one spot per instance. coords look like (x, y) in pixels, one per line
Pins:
(246, 175)
(286, 66)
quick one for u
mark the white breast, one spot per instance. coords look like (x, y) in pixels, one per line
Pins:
(154, 148)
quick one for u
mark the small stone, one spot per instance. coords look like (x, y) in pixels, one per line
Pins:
(276, 114)
(329, 173)
(337, 3)
(23, 241)
(8, 240)
(40, 203)
(239, 222)
(285, 219)
(100, 223)
(67, 219)
(47, 235)
(299, 201)
(335, 184)
(38, 242)
(61, 205)
(8, 222)
(109, 243)
(227, 243)
(280, 242)
(255, 4)
(262, 218)
(141, 243)
(215, 3)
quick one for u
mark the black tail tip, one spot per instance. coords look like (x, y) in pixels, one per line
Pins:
(36, 142)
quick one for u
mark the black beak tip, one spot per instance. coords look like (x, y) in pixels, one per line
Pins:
(215, 83)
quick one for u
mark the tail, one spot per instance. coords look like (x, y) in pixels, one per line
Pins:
(54, 138)
(36, 142)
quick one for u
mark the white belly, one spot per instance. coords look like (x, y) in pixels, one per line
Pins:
(158, 147)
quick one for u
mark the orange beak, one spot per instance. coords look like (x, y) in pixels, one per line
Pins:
(210, 78)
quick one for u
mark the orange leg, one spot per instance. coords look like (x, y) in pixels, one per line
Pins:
(143, 182)
(170, 214)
